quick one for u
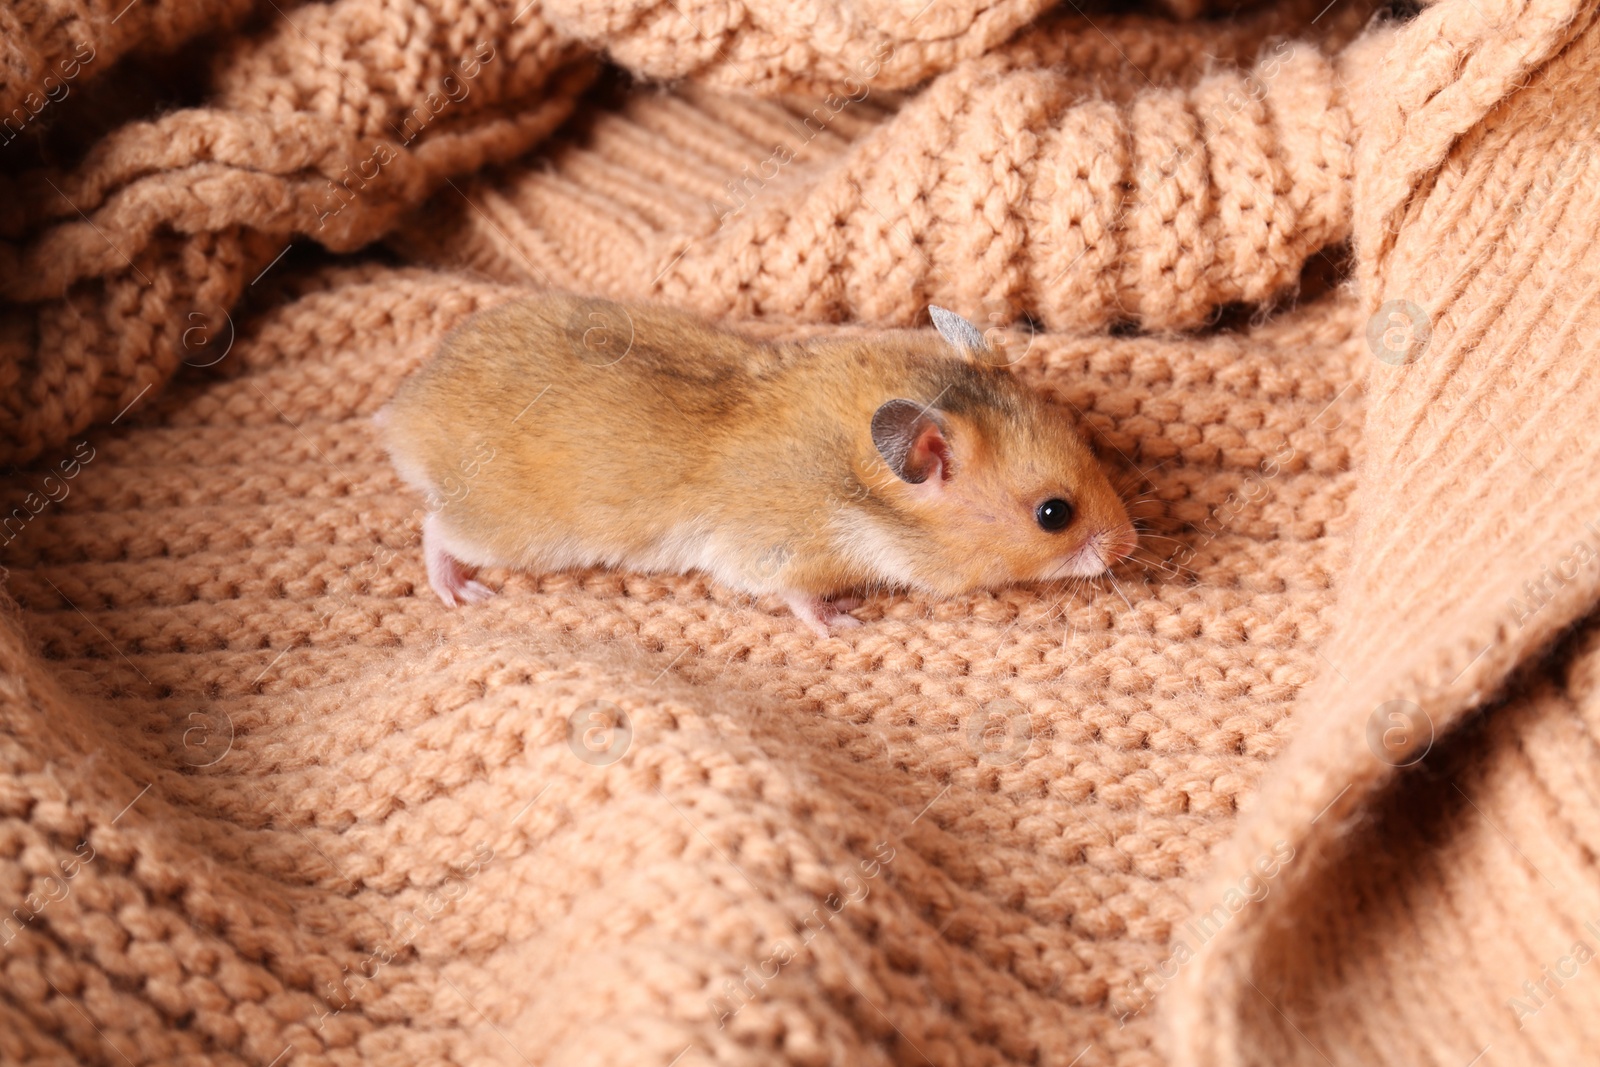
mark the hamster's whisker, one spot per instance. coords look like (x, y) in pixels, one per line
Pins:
(1058, 603)
(1050, 611)
(1058, 608)
(1070, 631)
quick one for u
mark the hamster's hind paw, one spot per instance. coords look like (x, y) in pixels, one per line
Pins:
(473, 591)
(447, 575)
(449, 579)
(820, 613)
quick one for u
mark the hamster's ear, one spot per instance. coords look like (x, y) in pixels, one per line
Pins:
(910, 438)
(962, 335)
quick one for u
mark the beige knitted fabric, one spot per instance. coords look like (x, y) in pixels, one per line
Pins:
(1470, 596)
(1192, 191)
(264, 801)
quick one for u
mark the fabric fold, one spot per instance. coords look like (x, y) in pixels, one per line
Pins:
(1312, 780)
(1472, 558)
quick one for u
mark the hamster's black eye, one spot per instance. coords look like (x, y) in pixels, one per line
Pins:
(1053, 514)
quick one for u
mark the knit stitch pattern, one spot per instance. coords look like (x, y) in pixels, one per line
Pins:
(265, 801)
(251, 553)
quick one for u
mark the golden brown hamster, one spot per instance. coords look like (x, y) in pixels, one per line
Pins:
(560, 432)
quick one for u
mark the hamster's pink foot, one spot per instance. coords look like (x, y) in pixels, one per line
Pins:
(448, 576)
(820, 613)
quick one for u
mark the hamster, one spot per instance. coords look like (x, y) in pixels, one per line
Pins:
(561, 432)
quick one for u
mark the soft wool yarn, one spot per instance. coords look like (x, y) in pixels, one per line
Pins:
(264, 802)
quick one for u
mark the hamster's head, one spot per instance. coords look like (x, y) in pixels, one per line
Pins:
(992, 484)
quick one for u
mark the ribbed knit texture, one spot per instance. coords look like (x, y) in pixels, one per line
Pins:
(1191, 191)
(1468, 580)
(312, 817)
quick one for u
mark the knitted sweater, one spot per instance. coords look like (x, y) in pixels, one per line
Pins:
(1314, 780)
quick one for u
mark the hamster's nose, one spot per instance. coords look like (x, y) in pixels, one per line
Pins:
(1117, 544)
